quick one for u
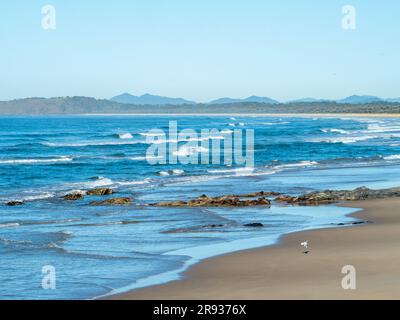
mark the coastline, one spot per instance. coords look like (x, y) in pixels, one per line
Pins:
(282, 271)
(305, 115)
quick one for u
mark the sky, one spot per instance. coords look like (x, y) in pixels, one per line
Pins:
(200, 50)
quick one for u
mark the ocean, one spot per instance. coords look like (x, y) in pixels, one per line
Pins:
(98, 250)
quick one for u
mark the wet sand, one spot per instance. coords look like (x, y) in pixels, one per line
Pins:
(283, 271)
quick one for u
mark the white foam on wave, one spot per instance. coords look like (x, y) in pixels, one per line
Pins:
(40, 196)
(176, 172)
(381, 129)
(334, 130)
(76, 191)
(216, 174)
(66, 232)
(186, 151)
(30, 196)
(392, 157)
(132, 183)
(151, 134)
(205, 138)
(99, 182)
(242, 172)
(226, 131)
(365, 120)
(241, 124)
(125, 136)
(103, 182)
(89, 143)
(8, 225)
(34, 161)
(237, 171)
(345, 140)
(300, 164)
(145, 158)
(163, 173)
(190, 139)
(274, 123)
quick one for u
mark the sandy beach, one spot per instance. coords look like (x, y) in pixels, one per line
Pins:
(283, 271)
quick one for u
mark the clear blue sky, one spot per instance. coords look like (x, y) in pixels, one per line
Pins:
(200, 50)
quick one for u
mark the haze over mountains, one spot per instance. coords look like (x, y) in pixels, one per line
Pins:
(254, 99)
(149, 99)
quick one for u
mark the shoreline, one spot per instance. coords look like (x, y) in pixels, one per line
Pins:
(201, 253)
(282, 271)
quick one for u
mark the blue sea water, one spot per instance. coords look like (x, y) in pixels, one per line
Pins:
(97, 249)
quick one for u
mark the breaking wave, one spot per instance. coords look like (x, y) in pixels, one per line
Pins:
(125, 136)
(334, 130)
(37, 161)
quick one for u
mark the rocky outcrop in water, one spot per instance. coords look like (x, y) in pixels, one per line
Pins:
(224, 201)
(195, 228)
(14, 203)
(353, 223)
(332, 196)
(254, 225)
(113, 202)
(74, 196)
(100, 192)
(257, 194)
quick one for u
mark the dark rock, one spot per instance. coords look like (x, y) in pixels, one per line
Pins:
(14, 203)
(129, 222)
(332, 196)
(213, 226)
(170, 204)
(259, 194)
(100, 192)
(112, 202)
(224, 201)
(74, 196)
(352, 223)
(254, 225)
(193, 229)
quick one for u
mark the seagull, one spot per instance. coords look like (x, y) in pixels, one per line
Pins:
(305, 245)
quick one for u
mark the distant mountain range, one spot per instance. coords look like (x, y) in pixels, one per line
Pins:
(254, 99)
(395, 100)
(164, 105)
(149, 99)
(309, 100)
(360, 99)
